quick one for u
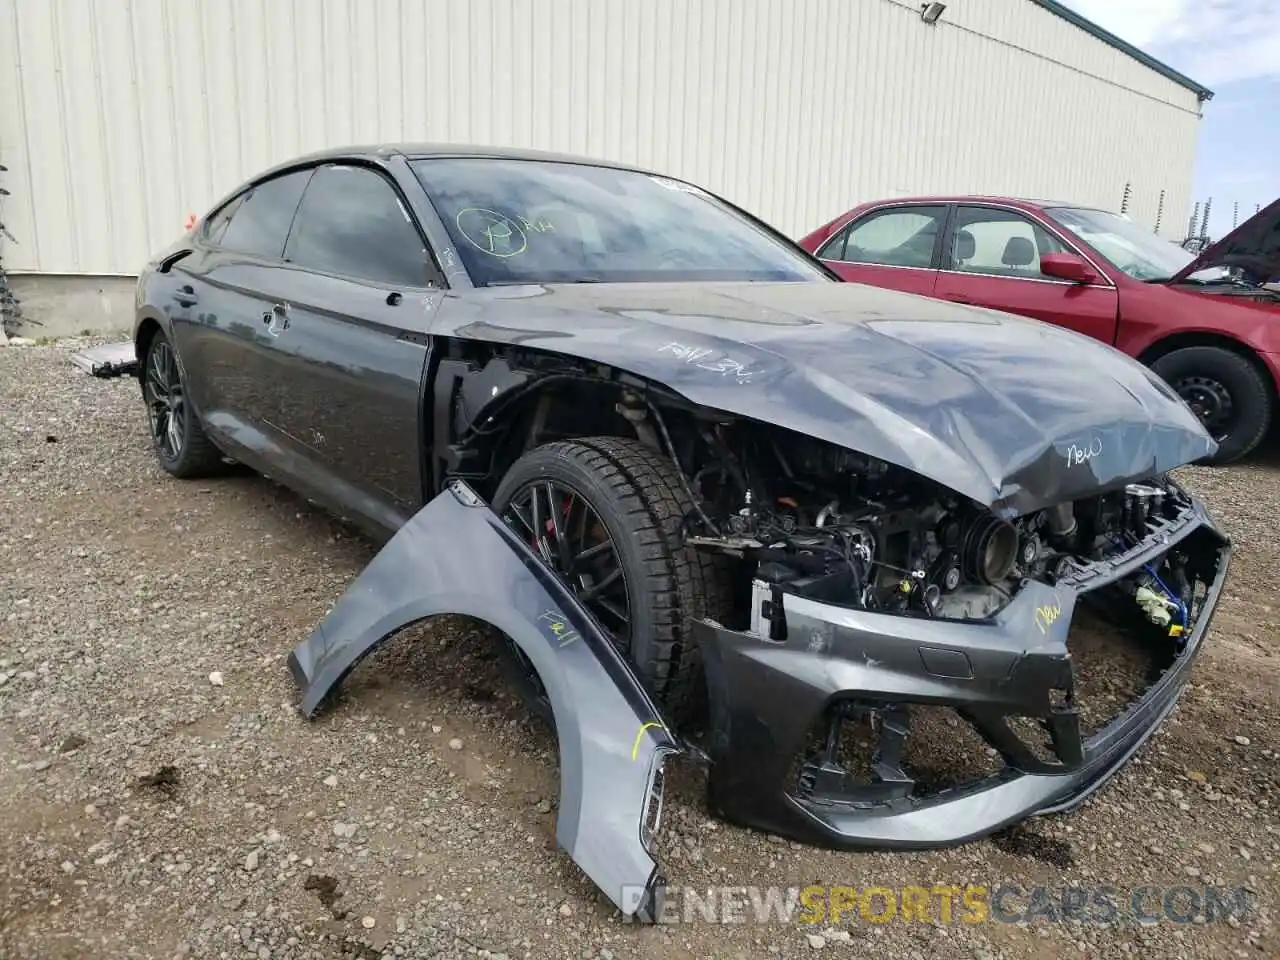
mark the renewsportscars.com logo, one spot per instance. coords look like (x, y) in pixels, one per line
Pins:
(946, 903)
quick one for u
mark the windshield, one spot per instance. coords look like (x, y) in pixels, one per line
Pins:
(1130, 248)
(534, 221)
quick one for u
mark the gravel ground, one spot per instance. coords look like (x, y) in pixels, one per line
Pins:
(160, 795)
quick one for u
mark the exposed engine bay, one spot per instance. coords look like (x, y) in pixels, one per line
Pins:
(798, 674)
(1239, 289)
(851, 531)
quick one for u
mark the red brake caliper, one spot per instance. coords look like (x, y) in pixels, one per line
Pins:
(549, 527)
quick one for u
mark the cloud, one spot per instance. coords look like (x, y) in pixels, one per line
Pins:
(1241, 178)
(1212, 41)
(1140, 22)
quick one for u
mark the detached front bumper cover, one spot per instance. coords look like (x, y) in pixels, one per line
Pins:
(108, 360)
(768, 695)
(455, 556)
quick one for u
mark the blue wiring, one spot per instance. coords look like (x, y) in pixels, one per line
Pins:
(1182, 607)
(1173, 597)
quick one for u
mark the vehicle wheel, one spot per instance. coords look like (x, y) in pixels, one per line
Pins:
(1229, 394)
(606, 514)
(180, 442)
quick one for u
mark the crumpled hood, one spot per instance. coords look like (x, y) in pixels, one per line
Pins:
(1013, 413)
(1254, 247)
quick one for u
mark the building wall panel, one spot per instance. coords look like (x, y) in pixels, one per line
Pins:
(120, 117)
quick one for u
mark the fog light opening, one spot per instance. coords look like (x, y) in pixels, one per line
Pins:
(855, 755)
(651, 821)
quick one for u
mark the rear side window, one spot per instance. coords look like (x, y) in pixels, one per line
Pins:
(897, 236)
(352, 223)
(260, 223)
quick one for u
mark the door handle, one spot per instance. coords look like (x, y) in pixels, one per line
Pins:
(965, 300)
(186, 296)
(278, 315)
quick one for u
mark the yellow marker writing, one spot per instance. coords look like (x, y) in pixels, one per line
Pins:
(559, 628)
(1047, 615)
(635, 747)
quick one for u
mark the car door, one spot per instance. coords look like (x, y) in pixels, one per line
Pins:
(894, 246)
(347, 323)
(992, 259)
(219, 303)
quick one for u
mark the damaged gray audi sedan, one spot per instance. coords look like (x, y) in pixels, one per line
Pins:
(710, 498)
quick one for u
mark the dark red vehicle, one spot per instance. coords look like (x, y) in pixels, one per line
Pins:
(1208, 324)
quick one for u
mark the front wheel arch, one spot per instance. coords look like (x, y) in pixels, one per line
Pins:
(1177, 341)
(145, 333)
(1237, 363)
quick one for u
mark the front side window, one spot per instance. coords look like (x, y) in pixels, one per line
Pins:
(260, 223)
(533, 221)
(1130, 248)
(1000, 243)
(353, 223)
(897, 237)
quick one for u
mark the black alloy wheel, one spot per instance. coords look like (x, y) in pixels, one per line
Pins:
(179, 439)
(564, 529)
(163, 393)
(566, 532)
(606, 514)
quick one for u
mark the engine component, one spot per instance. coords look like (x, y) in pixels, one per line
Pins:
(633, 409)
(951, 579)
(1061, 520)
(1141, 503)
(744, 521)
(989, 549)
(1158, 609)
(1030, 550)
(841, 528)
(970, 603)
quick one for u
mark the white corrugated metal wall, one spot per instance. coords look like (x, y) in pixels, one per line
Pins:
(118, 117)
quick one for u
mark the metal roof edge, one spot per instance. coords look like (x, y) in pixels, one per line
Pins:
(1202, 92)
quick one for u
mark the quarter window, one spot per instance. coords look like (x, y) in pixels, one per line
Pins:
(1000, 242)
(260, 223)
(899, 237)
(352, 223)
(216, 225)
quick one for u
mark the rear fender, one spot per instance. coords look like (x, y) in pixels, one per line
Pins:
(456, 556)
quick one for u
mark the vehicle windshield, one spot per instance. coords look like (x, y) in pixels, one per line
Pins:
(1130, 248)
(534, 221)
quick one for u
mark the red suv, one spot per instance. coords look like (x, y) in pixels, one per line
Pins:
(1209, 324)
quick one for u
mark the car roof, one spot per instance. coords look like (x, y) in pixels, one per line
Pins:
(1025, 202)
(421, 151)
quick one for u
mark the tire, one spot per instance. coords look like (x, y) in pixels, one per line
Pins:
(194, 454)
(637, 495)
(1206, 377)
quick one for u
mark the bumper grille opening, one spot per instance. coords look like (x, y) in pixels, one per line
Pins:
(1035, 737)
(838, 754)
(865, 754)
(1116, 659)
(1126, 634)
(945, 751)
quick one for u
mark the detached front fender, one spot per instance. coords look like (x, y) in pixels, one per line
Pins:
(456, 556)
